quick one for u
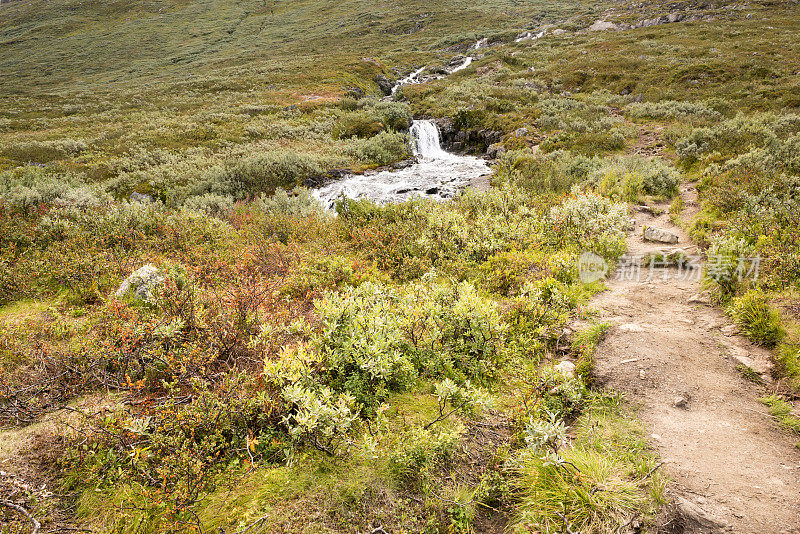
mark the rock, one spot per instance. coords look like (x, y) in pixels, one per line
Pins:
(521, 132)
(457, 61)
(141, 197)
(384, 84)
(567, 368)
(631, 224)
(693, 516)
(730, 330)
(703, 297)
(142, 282)
(741, 357)
(681, 401)
(651, 233)
(602, 25)
(559, 31)
(402, 164)
(495, 151)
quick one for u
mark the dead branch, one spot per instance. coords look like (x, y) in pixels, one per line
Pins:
(23, 511)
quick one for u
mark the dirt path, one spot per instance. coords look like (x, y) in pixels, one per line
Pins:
(733, 469)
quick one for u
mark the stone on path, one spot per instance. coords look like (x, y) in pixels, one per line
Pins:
(651, 233)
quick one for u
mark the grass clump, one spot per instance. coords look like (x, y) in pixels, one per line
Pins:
(584, 346)
(602, 480)
(757, 319)
(782, 411)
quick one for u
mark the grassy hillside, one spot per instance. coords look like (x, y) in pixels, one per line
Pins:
(71, 45)
(392, 367)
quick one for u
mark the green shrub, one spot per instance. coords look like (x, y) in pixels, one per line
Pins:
(44, 151)
(381, 149)
(298, 202)
(671, 109)
(628, 178)
(590, 222)
(261, 174)
(757, 320)
(554, 172)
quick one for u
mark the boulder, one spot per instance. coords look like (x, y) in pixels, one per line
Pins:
(141, 282)
(651, 233)
(559, 31)
(567, 368)
(457, 61)
(495, 151)
(384, 84)
(141, 197)
(602, 25)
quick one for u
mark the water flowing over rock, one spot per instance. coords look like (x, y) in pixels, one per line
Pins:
(410, 79)
(437, 174)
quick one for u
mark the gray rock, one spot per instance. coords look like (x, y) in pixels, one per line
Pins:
(559, 31)
(141, 282)
(703, 297)
(495, 151)
(729, 330)
(742, 357)
(602, 25)
(567, 368)
(694, 516)
(651, 233)
(384, 84)
(457, 61)
(681, 401)
(140, 197)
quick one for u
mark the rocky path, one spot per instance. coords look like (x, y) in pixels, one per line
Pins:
(679, 362)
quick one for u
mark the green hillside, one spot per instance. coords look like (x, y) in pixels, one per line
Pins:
(384, 368)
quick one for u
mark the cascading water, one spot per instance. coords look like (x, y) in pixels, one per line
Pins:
(426, 141)
(437, 174)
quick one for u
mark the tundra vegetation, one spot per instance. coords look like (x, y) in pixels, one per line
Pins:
(297, 370)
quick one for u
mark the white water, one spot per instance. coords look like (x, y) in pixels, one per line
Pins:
(529, 35)
(437, 174)
(411, 78)
(467, 63)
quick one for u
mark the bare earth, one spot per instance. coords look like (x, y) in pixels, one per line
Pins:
(733, 469)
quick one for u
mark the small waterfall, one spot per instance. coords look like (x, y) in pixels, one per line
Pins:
(426, 140)
(437, 174)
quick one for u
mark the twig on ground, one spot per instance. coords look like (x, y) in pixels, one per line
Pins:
(23, 511)
(566, 523)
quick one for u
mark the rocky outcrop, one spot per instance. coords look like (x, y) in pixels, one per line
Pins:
(384, 84)
(141, 282)
(671, 18)
(603, 25)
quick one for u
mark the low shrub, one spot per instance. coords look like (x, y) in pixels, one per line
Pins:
(44, 151)
(672, 109)
(628, 178)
